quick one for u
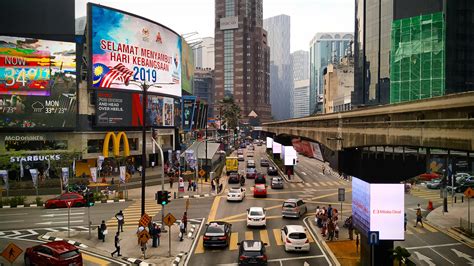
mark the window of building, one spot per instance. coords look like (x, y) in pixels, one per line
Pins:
(229, 8)
(228, 62)
(35, 145)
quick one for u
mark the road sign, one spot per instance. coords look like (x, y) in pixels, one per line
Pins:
(143, 236)
(202, 172)
(469, 192)
(341, 194)
(187, 204)
(169, 219)
(373, 238)
(145, 220)
(69, 203)
(11, 252)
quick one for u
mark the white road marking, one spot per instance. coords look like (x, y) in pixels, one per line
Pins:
(14, 214)
(11, 221)
(62, 222)
(303, 173)
(298, 258)
(62, 214)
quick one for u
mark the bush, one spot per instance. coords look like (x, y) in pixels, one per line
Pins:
(17, 200)
(99, 196)
(5, 202)
(39, 201)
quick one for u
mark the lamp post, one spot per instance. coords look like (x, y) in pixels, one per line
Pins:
(144, 86)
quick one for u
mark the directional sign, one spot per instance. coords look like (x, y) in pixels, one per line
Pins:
(469, 192)
(202, 172)
(11, 252)
(373, 238)
(69, 203)
(169, 219)
(145, 220)
(143, 236)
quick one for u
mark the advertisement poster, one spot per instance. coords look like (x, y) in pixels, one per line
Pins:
(65, 176)
(155, 110)
(188, 112)
(94, 174)
(4, 176)
(125, 47)
(37, 83)
(113, 108)
(168, 112)
(316, 150)
(177, 113)
(276, 148)
(361, 205)
(187, 69)
(34, 177)
(269, 143)
(123, 171)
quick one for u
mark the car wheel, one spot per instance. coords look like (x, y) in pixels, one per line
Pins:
(27, 261)
(52, 206)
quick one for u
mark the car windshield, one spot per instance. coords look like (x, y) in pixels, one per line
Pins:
(289, 204)
(215, 229)
(260, 187)
(251, 170)
(256, 213)
(297, 235)
(69, 254)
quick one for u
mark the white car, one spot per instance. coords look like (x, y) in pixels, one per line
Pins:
(256, 216)
(236, 194)
(295, 238)
(240, 157)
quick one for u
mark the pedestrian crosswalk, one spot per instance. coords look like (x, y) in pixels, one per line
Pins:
(132, 214)
(270, 236)
(420, 230)
(317, 184)
(433, 195)
(35, 232)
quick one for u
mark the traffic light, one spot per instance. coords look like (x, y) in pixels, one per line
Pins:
(159, 197)
(168, 196)
(163, 197)
(90, 199)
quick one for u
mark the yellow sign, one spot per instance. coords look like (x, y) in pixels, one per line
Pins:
(11, 252)
(169, 219)
(202, 172)
(469, 192)
(143, 237)
(145, 220)
(116, 140)
(187, 204)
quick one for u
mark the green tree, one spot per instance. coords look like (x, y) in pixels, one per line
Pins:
(230, 112)
(401, 255)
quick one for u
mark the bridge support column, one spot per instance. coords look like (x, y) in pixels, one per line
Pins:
(381, 253)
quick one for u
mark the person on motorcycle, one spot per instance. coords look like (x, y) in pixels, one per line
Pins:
(242, 180)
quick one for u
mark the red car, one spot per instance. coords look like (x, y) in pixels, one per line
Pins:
(260, 190)
(56, 253)
(251, 173)
(61, 201)
(428, 176)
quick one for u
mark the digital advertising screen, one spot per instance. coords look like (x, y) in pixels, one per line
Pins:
(37, 83)
(189, 103)
(289, 155)
(269, 143)
(187, 69)
(276, 147)
(125, 48)
(379, 207)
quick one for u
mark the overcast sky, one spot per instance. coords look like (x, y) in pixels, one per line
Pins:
(184, 16)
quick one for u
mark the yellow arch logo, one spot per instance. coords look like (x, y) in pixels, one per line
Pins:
(116, 144)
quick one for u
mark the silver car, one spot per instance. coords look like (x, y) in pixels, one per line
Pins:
(277, 182)
(293, 208)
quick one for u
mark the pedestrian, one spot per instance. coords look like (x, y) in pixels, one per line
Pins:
(329, 211)
(154, 236)
(185, 221)
(336, 230)
(350, 227)
(213, 186)
(103, 230)
(324, 224)
(181, 231)
(194, 186)
(405, 222)
(117, 245)
(171, 180)
(331, 228)
(120, 221)
(189, 184)
(419, 216)
(324, 169)
(316, 215)
(158, 234)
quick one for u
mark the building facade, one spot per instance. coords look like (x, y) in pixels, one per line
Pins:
(300, 65)
(242, 56)
(324, 48)
(338, 86)
(204, 87)
(281, 80)
(204, 53)
(408, 50)
(301, 98)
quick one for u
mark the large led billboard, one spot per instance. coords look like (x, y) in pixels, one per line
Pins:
(289, 155)
(125, 47)
(276, 147)
(187, 69)
(37, 83)
(269, 143)
(379, 207)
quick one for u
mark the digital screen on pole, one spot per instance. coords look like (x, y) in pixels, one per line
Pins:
(269, 143)
(188, 112)
(126, 47)
(37, 83)
(276, 148)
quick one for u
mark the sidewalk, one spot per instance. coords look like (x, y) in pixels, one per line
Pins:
(129, 247)
(449, 222)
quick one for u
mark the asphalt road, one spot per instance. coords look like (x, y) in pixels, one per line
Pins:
(322, 191)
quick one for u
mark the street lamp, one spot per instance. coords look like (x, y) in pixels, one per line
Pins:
(144, 86)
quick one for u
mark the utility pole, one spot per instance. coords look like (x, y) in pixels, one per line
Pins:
(144, 100)
(207, 165)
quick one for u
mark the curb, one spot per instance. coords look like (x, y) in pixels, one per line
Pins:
(75, 243)
(36, 206)
(452, 232)
(179, 257)
(331, 255)
(194, 196)
(191, 231)
(135, 261)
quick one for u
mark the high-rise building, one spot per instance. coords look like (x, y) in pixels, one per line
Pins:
(204, 87)
(339, 85)
(204, 53)
(324, 48)
(301, 98)
(281, 80)
(300, 65)
(406, 50)
(242, 56)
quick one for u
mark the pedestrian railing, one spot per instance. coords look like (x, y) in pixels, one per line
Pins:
(466, 226)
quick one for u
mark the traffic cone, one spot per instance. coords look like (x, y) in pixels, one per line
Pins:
(430, 206)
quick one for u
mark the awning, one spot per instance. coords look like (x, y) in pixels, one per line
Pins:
(212, 148)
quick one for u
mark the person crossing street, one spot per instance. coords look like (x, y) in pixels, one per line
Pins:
(120, 221)
(117, 245)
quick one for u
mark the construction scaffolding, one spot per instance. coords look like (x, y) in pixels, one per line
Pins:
(417, 62)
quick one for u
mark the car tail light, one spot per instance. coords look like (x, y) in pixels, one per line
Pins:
(288, 241)
(263, 257)
(242, 257)
(222, 238)
(206, 238)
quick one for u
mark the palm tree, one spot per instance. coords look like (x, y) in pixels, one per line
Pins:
(401, 255)
(230, 112)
